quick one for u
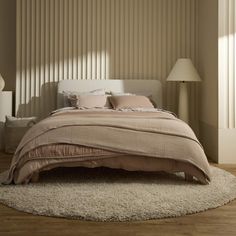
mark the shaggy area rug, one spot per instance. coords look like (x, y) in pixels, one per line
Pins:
(115, 195)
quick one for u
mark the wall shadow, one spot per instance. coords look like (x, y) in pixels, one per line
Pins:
(42, 105)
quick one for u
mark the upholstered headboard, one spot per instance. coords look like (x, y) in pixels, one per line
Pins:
(132, 86)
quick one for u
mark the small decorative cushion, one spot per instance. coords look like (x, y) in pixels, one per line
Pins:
(121, 94)
(126, 102)
(90, 101)
(15, 128)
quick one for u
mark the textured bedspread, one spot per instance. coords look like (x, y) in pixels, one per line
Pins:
(109, 135)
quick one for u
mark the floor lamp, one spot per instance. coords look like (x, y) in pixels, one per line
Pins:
(184, 72)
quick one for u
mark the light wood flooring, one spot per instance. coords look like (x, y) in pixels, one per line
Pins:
(221, 221)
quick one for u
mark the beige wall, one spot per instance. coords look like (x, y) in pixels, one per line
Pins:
(208, 69)
(102, 39)
(217, 65)
(227, 64)
(227, 81)
(8, 42)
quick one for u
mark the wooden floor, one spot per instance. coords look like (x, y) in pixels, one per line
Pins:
(221, 221)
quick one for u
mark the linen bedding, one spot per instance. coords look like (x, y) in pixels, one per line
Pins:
(152, 140)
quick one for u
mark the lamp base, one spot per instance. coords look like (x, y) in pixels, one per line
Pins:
(183, 102)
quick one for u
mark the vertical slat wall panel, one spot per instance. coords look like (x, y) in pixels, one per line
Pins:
(22, 58)
(37, 58)
(100, 39)
(227, 63)
(19, 48)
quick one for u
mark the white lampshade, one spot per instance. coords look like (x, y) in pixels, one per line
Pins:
(184, 70)
(2, 83)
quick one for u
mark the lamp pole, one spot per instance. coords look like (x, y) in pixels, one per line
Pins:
(183, 102)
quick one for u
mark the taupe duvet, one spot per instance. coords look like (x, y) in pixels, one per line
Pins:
(130, 140)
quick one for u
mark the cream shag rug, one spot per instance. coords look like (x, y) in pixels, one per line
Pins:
(115, 195)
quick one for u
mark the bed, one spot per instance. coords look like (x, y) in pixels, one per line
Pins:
(129, 139)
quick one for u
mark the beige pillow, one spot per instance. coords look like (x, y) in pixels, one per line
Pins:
(126, 102)
(142, 93)
(90, 101)
(70, 94)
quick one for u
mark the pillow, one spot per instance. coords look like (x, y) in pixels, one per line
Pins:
(67, 95)
(149, 96)
(12, 121)
(141, 93)
(126, 102)
(90, 101)
(15, 128)
(121, 94)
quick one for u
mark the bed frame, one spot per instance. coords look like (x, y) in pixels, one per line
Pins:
(152, 87)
